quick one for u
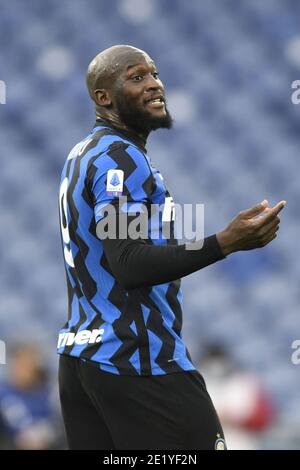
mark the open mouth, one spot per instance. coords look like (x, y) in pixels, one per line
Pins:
(156, 102)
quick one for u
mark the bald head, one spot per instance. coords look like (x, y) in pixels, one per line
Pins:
(125, 86)
(107, 66)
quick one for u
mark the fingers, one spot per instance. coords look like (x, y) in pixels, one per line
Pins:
(267, 241)
(252, 229)
(269, 234)
(255, 210)
(271, 214)
(276, 209)
(266, 228)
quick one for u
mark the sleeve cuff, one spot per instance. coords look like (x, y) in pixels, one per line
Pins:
(213, 244)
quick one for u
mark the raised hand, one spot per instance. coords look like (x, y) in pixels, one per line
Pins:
(251, 228)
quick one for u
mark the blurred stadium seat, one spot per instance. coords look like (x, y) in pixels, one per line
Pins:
(228, 68)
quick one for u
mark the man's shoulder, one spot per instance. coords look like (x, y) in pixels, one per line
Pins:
(101, 141)
(108, 140)
(112, 150)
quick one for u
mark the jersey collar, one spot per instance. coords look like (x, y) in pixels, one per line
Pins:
(139, 142)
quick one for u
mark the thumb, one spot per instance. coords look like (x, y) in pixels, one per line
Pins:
(255, 210)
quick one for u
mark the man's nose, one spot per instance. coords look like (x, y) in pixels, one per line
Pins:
(152, 83)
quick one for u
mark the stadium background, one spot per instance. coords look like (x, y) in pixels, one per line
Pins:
(228, 68)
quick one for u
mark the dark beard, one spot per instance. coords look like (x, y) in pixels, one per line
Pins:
(138, 119)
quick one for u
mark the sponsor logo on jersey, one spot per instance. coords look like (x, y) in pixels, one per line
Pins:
(82, 337)
(114, 185)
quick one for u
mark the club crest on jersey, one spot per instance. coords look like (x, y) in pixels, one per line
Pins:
(114, 185)
(220, 443)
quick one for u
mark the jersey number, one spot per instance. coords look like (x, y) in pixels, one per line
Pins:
(64, 222)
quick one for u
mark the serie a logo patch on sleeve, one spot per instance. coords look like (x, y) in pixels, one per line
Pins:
(114, 182)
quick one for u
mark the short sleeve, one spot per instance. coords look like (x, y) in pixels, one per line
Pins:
(122, 172)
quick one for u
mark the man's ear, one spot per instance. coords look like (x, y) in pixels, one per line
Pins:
(102, 97)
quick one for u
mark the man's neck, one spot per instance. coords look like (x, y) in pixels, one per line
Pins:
(112, 121)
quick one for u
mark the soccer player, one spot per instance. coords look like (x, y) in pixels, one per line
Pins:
(126, 378)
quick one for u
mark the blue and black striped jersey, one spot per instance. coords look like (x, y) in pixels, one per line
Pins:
(123, 331)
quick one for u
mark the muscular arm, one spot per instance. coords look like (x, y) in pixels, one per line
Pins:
(136, 263)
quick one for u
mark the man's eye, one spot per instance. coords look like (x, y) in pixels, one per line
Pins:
(156, 74)
(137, 78)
